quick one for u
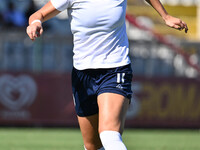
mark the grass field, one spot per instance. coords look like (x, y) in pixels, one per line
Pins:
(70, 139)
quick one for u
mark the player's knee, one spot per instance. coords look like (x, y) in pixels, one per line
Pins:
(109, 125)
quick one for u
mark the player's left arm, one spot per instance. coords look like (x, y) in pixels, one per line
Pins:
(171, 21)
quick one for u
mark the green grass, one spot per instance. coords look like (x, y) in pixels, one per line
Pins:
(162, 139)
(70, 139)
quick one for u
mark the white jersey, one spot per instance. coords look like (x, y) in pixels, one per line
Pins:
(99, 30)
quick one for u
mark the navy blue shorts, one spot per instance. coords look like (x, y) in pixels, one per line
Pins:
(88, 84)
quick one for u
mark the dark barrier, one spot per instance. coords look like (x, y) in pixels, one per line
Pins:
(46, 100)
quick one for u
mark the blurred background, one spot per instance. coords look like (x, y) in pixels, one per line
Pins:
(35, 84)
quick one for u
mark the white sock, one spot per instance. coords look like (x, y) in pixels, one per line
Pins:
(84, 148)
(112, 140)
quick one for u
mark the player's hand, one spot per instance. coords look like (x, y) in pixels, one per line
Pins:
(175, 23)
(34, 30)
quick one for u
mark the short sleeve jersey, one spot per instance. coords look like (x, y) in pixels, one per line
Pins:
(99, 32)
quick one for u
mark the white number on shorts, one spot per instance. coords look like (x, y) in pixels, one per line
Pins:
(120, 77)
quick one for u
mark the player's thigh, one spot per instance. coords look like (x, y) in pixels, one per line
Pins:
(112, 111)
(89, 130)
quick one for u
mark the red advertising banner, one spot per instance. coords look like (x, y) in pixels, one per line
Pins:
(46, 100)
(36, 99)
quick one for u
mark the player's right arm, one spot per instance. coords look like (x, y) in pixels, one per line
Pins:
(47, 12)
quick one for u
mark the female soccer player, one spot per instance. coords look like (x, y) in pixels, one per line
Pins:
(102, 75)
